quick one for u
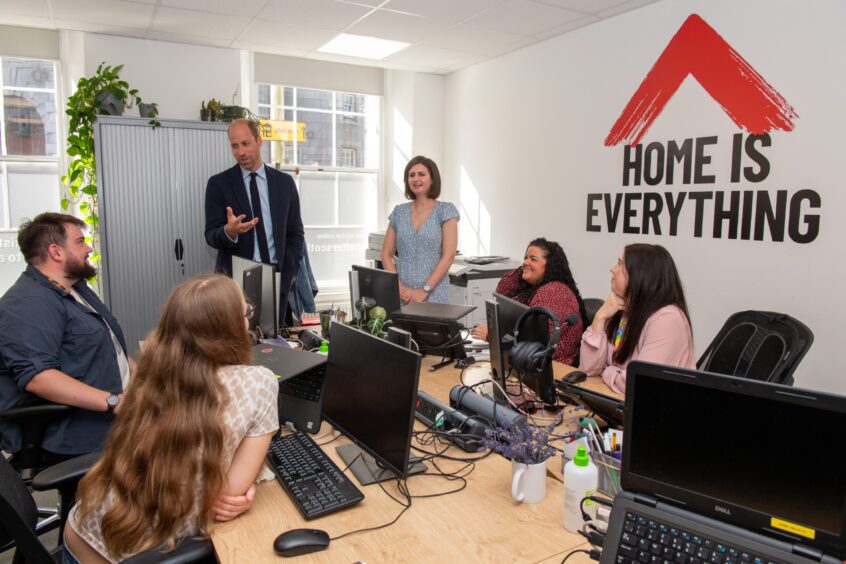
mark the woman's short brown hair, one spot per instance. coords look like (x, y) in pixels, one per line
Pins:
(435, 188)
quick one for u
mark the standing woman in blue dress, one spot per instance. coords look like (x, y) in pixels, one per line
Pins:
(423, 234)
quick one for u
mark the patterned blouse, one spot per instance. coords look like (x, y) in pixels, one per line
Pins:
(418, 252)
(556, 297)
(251, 412)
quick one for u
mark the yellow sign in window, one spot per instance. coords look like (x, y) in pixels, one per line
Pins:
(282, 130)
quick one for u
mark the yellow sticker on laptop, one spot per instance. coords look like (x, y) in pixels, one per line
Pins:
(793, 528)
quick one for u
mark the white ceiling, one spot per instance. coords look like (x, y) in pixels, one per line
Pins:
(445, 35)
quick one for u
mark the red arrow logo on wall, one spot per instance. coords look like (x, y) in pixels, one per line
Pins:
(698, 50)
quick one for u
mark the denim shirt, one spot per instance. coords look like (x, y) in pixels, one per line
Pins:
(42, 326)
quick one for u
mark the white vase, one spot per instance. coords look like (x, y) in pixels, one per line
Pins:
(528, 482)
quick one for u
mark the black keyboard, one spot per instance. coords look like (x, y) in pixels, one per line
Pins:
(649, 542)
(307, 385)
(313, 481)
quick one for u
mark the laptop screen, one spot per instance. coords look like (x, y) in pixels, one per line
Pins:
(764, 457)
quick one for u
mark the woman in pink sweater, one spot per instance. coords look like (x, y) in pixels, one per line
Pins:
(644, 318)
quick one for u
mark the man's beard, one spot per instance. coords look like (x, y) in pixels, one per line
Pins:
(81, 270)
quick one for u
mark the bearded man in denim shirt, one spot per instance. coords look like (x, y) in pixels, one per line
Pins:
(59, 342)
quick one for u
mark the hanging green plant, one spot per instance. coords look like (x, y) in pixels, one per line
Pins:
(104, 93)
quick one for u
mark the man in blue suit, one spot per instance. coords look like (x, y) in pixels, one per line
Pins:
(253, 211)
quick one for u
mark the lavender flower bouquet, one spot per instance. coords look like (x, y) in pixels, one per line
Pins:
(525, 443)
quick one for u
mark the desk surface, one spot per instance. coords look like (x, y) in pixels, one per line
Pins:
(479, 523)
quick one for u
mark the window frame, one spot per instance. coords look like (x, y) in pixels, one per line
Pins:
(59, 159)
(332, 293)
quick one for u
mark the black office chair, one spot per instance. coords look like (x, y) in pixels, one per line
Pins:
(762, 345)
(188, 551)
(592, 305)
(33, 421)
(19, 515)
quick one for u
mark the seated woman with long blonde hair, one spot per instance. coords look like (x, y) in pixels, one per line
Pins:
(190, 435)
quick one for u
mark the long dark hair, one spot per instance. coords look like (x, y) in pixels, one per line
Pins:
(653, 283)
(557, 270)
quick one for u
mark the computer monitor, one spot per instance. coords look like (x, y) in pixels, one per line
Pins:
(258, 282)
(536, 328)
(496, 350)
(381, 285)
(369, 395)
(610, 409)
(434, 327)
(251, 286)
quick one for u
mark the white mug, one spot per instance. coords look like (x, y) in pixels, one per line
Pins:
(528, 482)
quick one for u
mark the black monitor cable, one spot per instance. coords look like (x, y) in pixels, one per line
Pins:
(593, 529)
(405, 505)
(593, 553)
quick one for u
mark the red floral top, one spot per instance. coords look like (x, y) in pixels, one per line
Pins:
(560, 300)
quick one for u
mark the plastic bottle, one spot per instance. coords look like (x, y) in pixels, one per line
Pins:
(324, 348)
(580, 479)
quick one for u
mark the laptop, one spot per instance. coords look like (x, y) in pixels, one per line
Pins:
(728, 470)
(301, 375)
(434, 327)
(425, 310)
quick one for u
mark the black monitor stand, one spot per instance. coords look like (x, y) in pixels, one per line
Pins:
(365, 468)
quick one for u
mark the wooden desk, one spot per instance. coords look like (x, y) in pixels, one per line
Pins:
(481, 523)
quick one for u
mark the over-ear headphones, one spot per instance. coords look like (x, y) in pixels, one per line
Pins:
(533, 356)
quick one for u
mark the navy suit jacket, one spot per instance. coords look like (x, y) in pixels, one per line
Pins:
(227, 189)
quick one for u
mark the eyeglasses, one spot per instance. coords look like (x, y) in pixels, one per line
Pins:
(251, 311)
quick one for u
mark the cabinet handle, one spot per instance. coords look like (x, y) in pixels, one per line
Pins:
(178, 249)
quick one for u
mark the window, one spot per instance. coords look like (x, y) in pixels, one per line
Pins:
(29, 153)
(331, 140)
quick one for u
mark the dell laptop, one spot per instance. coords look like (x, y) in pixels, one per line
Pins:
(718, 469)
(301, 375)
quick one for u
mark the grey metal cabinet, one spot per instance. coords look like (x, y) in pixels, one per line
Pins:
(151, 198)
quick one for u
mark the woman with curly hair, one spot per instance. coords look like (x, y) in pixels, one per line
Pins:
(191, 435)
(545, 280)
(644, 318)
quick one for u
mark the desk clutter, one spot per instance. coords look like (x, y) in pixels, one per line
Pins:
(372, 429)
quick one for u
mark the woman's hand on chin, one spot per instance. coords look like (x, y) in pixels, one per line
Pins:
(612, 304)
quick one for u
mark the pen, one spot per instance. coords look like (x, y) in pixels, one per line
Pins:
(613, 442)
(595, 440)
(598, 430)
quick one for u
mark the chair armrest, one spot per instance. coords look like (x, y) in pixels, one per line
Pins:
(67, 472)
(25, 412)
(194, 551)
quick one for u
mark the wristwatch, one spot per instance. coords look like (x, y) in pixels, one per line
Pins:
(427, 288)
(111, 402)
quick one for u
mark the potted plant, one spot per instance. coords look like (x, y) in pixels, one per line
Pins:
(372, 316)
(231, 113)
(104, 93)
(527, 446)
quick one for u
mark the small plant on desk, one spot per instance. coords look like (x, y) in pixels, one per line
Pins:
(526, 444)
(372, 317)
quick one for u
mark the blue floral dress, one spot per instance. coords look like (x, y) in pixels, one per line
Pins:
(418, 252)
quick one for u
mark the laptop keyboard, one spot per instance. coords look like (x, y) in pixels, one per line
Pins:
(650, 542)
(315, 483)
(307, 385)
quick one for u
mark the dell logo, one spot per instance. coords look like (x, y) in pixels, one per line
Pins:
(724, 510)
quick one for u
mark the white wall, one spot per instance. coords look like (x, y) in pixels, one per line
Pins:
(524, 146)
(414, 113)
(178, 77)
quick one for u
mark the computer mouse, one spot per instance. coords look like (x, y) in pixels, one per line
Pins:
(300, 541)
(575, 377)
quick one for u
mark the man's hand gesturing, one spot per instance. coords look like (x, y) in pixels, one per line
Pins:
(235, 224)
